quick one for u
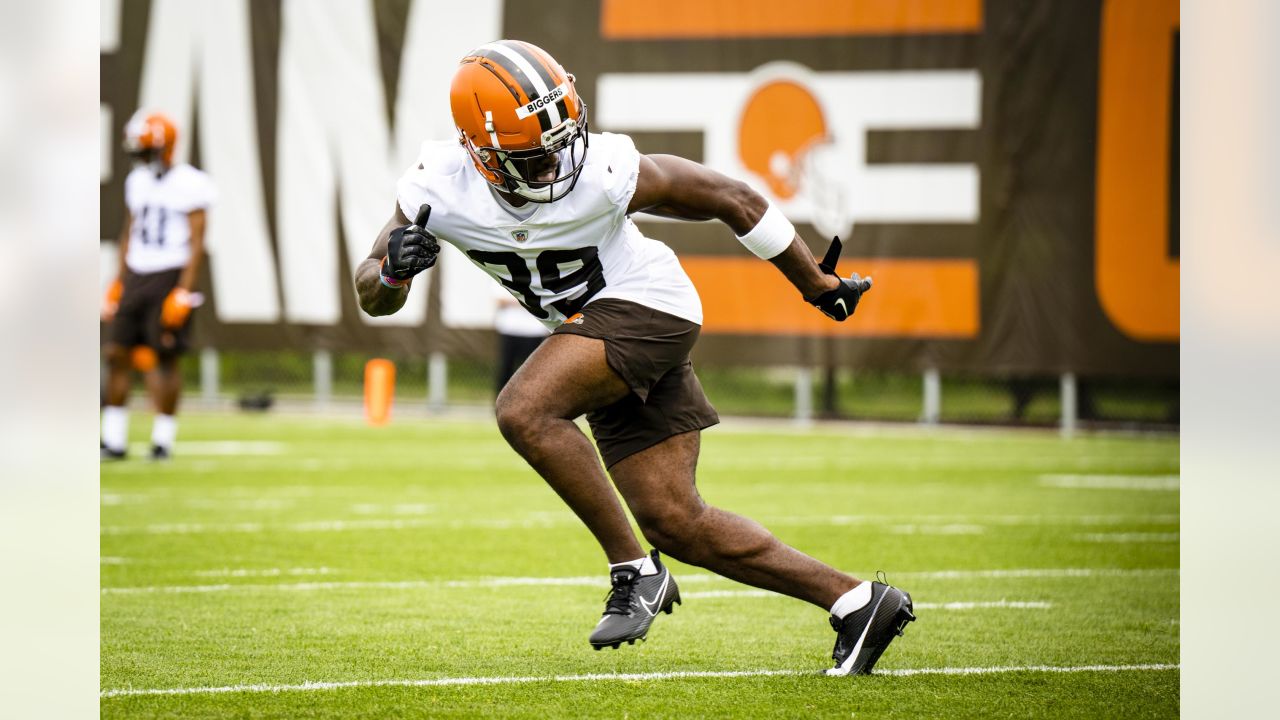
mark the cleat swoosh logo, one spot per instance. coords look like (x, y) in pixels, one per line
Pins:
(853, 656)
(651, 605)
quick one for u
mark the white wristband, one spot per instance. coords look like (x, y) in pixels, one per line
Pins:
(770, 236)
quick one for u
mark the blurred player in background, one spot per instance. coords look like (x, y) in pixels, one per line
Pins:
(519, 334)
(522, 197)
(149, 303)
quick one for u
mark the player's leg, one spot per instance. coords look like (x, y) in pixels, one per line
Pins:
(165, 384)
(115, 416)
(565, 377)
(659, 486)
(165, 380)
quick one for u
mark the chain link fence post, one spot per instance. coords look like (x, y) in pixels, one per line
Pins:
(437, 382)
(804, 396)
(932, 410)
(1067, 388)
(209, 368)
(322, 377)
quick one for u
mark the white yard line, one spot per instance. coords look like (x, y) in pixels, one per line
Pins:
(236, 448)
(1168, 483)
(1037, 573)
(1134, 537)
(334, 526)
(585, 581)
(972, 520)
(264, 572)
(901, 525)
(992, 605)
(600, 580)
(626, 677)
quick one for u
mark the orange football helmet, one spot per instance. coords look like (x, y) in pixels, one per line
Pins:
(150, 135)
(520, 117)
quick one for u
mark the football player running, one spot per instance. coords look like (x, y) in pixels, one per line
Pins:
(544, 208)
(149, 303)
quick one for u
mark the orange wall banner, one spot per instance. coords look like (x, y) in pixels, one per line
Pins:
(1138, 283)
(910, 298)
(669, 19)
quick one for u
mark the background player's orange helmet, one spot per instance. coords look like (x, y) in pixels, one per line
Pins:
(518, 114)
(150, 135)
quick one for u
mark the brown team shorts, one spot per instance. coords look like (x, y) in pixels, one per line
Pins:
(137, 320)
(649, 349)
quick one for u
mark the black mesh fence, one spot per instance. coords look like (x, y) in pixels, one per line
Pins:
(246, 378)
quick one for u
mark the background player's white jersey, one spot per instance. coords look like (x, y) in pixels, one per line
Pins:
(160, 238)
(553, 257)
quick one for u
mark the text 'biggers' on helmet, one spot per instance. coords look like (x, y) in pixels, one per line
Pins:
(520, 117)
(150, 135)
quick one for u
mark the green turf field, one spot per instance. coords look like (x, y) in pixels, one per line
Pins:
(302, 567)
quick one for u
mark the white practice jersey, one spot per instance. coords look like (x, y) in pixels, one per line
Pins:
(561, 255)
(160, 238)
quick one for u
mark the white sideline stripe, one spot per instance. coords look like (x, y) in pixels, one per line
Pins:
(216, 447)
(328, 526)
(992, 605)
(920, 524)
(1112, 482)
(264, 572)
(631, 677)
(598, 581)
(1038, 573)
(585, 581)
(974, 520)
(1134, 537)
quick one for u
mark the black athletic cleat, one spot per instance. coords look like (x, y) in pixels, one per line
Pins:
(159, 452)
(107, 454)
(864, 634)
(633, 603)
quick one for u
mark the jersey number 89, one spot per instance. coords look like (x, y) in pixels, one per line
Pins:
(554, 280)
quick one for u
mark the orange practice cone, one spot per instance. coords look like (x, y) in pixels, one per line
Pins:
(379, 390)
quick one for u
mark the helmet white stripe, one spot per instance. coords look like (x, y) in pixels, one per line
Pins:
(552, 111)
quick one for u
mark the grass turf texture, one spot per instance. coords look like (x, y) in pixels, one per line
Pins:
(280, 537)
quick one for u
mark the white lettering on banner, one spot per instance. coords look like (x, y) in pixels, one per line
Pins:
(333, 147)
(109, 26)
(836, 186)
(334, 139)
(538, 104)
(210, 42)
(106, 146)
(437, 35)
(333, 153)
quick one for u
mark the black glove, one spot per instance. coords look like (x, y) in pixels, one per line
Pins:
(411, 248)
(840, 302)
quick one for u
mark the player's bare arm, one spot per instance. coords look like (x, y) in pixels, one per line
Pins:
(191, 273)
(123, 244)
(111, 302)
(402, 250)
(674, 187)
(376, 298)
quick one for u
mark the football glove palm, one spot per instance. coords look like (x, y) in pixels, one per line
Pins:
(840, 302)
